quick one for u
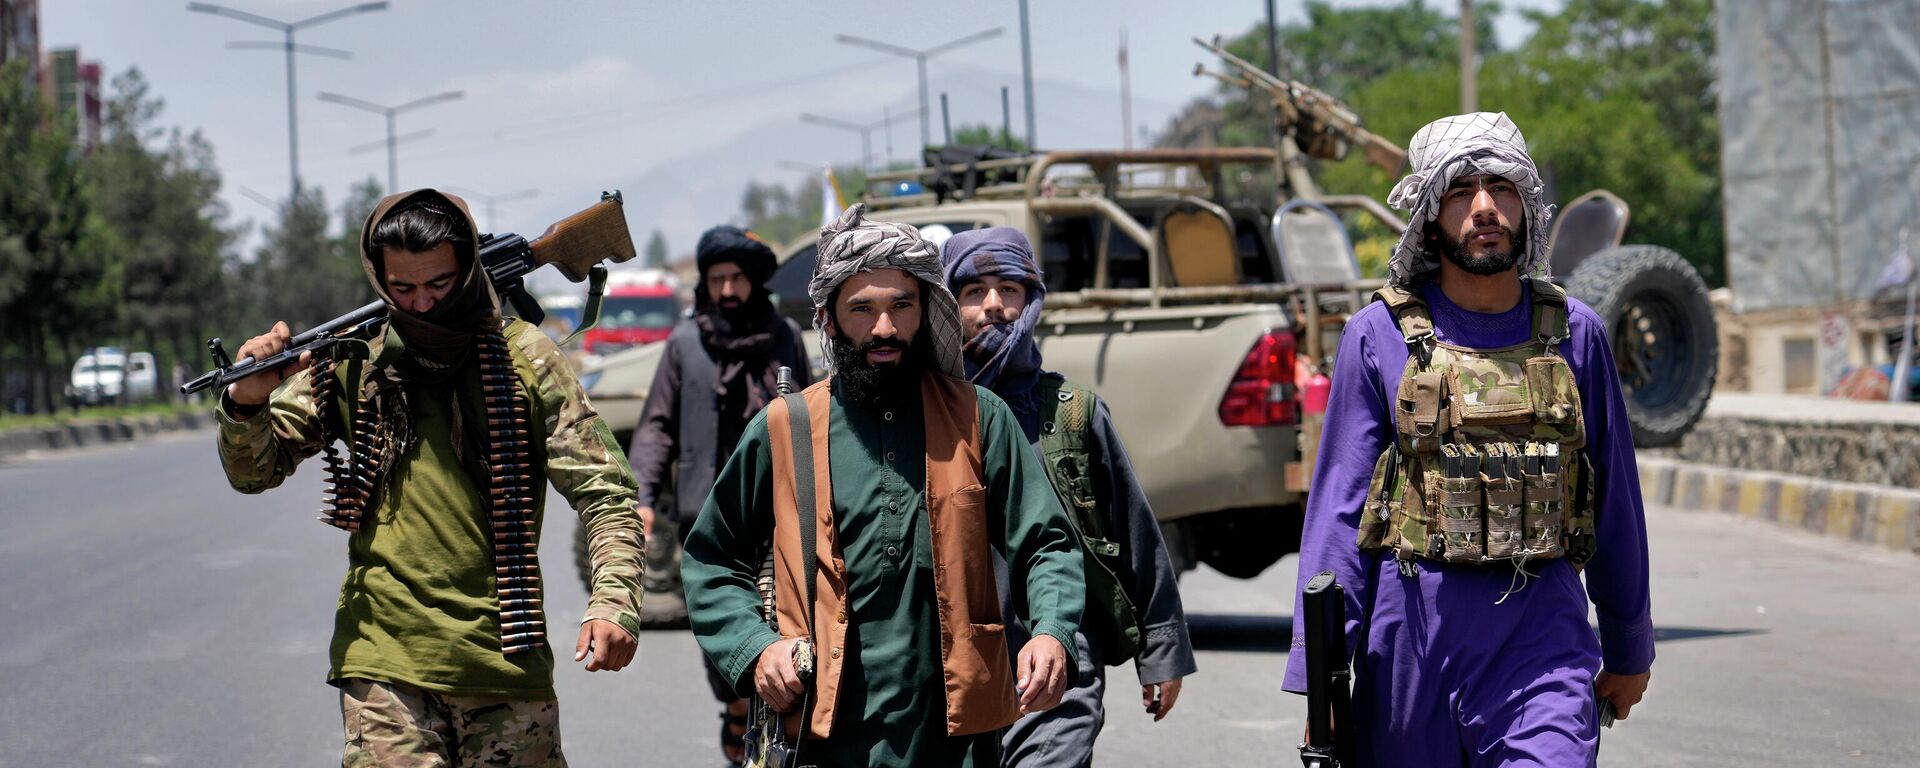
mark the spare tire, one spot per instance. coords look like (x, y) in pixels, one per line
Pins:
(1662, 329)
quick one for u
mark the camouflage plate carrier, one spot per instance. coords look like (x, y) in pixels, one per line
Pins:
(1066, 428)
(1486, 464)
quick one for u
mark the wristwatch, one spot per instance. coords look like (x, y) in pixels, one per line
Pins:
(803, 658)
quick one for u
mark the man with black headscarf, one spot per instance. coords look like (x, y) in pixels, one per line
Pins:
(439, 643)
(890, 648)
(716, 372)
(1133, 594)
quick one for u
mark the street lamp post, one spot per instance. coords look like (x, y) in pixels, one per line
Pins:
(490, 202)
(865, 130)
(920, 59)
(393, 163)
(288, 28)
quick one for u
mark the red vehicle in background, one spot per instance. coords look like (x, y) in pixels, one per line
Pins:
(640, 308)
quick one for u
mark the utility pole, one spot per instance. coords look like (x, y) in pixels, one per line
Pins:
(1126, 96)
(288, 28)
(1469, 71)
(1026, 72)
(393, 163)
(864, 129)
(920, 59)
(1006, 118)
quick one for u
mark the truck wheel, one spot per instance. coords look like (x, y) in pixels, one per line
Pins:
(1242, 543)
(1662, 329)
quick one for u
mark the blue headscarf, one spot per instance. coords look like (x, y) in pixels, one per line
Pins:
(1002, 356)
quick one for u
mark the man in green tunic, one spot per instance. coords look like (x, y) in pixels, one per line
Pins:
(439, 646)
(917, 477)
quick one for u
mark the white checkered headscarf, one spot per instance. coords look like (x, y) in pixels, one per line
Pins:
(1447, 149)
(851, 245)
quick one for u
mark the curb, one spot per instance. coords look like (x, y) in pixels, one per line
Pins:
(83, 433)
(1870, 514)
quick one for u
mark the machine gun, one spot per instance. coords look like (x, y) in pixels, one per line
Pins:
(576, 245)
(1318, 123)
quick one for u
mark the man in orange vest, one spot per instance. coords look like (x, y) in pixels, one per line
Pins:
(899, 478)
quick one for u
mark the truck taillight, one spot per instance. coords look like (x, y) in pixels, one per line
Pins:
(1262, 392)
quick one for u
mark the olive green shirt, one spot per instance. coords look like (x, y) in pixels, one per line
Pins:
(892, 705)
(419, 606)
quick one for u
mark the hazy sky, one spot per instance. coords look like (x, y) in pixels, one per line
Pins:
(676, 103)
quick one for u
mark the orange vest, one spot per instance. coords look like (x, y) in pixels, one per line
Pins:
(974, 660)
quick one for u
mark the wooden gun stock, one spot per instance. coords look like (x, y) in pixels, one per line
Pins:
(576, 243)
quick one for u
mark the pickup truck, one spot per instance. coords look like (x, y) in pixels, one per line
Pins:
(1171, 305)
(1199, 314)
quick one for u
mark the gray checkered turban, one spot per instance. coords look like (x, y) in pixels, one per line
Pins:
(852, 244)
(1447, 149)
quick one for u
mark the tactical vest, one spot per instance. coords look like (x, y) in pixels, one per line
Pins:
(1487, 464)
(1066, 429)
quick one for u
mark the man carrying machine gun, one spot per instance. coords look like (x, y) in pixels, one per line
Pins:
(1476, 458)
(439, 648)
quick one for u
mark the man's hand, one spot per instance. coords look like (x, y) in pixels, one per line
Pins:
(254, 390)
(1168, 693)
(776, 679)
(1043, 674)
(611, 646)
(646, 521)
(1623, 690)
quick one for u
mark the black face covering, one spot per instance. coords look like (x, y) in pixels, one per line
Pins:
(443, 335)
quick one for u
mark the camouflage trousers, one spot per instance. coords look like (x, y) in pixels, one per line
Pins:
(388, 724)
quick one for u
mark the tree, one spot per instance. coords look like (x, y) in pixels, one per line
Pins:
(300, 274)
(981, 134)
(57, 268)
(656, 251)
(157, 191)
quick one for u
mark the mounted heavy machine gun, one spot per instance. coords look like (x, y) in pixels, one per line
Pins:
(576, 245)
(1318, 124)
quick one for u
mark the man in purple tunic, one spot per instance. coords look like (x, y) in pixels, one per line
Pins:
(1459, 664)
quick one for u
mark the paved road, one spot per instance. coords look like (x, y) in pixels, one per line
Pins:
(154, 617)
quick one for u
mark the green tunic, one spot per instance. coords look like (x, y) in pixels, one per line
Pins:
(418, 606)
(892, 705)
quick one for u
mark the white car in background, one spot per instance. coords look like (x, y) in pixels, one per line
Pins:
(108, 375)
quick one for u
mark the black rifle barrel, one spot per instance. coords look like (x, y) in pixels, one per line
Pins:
(1324, 604)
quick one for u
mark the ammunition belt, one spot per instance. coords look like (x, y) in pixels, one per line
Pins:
(510, 498)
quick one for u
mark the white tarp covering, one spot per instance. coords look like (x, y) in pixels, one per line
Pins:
(1820, 145)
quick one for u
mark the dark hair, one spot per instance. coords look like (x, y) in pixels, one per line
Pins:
(420, 227)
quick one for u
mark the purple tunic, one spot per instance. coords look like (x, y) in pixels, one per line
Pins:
(1448, 673)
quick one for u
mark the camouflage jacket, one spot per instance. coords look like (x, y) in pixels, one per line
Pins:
(582, 461)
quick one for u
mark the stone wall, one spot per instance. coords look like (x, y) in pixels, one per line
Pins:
(1800, 437)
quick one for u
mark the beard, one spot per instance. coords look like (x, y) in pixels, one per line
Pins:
(1484, 263)
(865, 382)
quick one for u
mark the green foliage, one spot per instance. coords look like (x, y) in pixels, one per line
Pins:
(778, 214)
(58, 274)
(158, 191)
(981, 134)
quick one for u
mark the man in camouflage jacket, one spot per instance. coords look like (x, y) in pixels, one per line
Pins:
(439, 647)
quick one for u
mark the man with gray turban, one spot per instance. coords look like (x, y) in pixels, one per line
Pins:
(894, 481)
(1133, 594)
(1476, 459)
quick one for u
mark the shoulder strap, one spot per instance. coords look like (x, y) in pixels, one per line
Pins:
(1410, 315)
(1549, 312)
(800, 427)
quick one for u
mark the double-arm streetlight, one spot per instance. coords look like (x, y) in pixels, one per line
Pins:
(865, 130)
(920, 58)
(288, 28)
(393, 163)
(490, 202)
